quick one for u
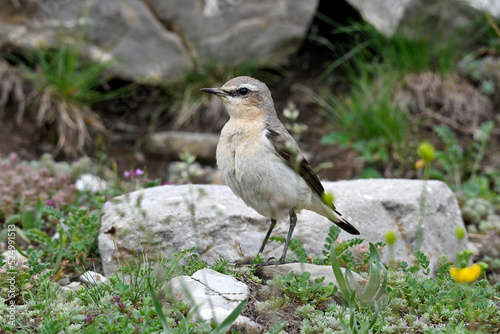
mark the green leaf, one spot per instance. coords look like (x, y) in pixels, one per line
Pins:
(373, 283)
(159, 311)
(346, 292)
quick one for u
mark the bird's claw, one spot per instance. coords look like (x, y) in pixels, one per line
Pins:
(273, 262)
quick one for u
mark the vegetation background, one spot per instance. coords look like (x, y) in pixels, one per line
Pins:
(366, 104)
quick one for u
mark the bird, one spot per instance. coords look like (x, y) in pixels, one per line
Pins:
(262, 163)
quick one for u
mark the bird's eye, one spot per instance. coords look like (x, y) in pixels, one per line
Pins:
(243, 91)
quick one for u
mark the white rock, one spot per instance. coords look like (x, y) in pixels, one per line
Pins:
(73, 286)
(215, 296)
(91, 277)
(209, 288)
(242, 324)
(13, 258)
(224, 226)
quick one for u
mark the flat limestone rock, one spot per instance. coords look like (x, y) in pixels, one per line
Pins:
(211, 218)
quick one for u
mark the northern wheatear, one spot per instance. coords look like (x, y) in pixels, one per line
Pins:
(261, 162)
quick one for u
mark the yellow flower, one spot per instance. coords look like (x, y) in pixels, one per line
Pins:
(466, 275)
(420, 164)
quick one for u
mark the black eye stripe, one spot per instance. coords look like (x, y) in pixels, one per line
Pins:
(238, 92)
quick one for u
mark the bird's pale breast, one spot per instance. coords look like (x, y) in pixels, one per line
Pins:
(255, 173)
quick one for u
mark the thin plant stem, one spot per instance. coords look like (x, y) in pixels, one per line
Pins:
(421, 214)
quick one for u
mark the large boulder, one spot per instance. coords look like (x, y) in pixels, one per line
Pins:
(153, 40)
(237, 31)
(125, 32)
(389, 16)
(216, 222)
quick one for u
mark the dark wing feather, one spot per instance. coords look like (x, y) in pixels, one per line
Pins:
(285, 149)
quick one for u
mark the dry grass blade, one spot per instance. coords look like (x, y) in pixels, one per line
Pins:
(69, 119)
(11, 88)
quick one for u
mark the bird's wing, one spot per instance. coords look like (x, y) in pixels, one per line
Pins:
(289, 151)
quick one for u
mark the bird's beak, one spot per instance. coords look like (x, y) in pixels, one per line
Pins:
(214, 91)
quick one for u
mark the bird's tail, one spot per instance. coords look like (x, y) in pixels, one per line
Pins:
(336, 217)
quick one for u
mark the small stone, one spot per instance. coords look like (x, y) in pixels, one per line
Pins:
(74, 286)
(63, 281)
(242, 324)
(91, 277)
(215, 295)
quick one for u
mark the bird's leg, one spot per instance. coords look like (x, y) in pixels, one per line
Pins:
(249, 260)
(273, 224)
(293, 222)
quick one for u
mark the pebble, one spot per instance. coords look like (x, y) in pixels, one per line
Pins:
(91, 277)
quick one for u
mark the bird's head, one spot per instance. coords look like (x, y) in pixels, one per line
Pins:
(245, 97)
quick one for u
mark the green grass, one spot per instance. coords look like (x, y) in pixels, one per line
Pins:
(74, 79)
(400, 299)
(366, 119)
(64, 87)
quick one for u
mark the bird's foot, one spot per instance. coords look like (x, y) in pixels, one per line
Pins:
(273, 262)
(246, 261)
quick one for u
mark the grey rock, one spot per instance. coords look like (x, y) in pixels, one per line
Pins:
(216, 222)
(156, 40)
(64, 281)
(389, 16)
(174, 143)
(125, 32)
(73, 286)
(236, 31)
(214, 295)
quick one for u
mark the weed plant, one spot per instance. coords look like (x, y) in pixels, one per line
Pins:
(65, 87)
(24, 187)
(403, 300)
(459, 166)
(367, 121)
